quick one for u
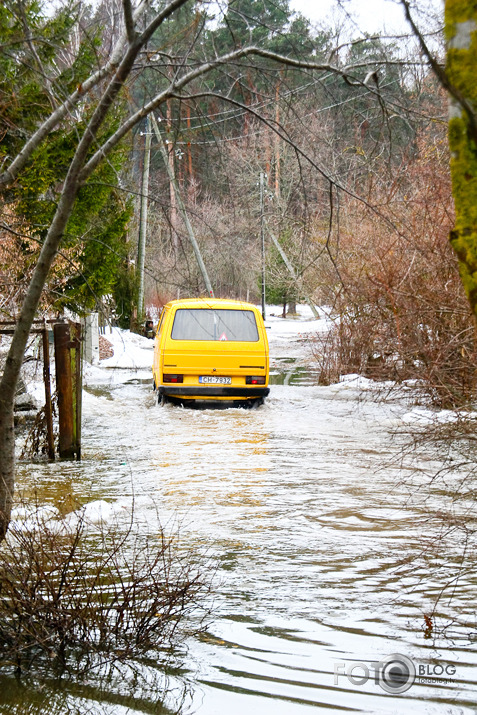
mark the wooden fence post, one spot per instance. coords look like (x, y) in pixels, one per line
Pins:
(69, 387)
(48, 407)
(77, 362)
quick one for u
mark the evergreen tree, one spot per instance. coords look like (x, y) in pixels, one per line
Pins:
(32, 79)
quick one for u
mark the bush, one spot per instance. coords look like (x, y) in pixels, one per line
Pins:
(74, 600)
(402, 313)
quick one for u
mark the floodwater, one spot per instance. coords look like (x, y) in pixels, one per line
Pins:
(306, 507)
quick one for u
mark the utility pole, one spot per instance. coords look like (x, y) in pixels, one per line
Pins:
(172, 193)
(182, 208)
(277, 141)
(141, 249)
(262, 237)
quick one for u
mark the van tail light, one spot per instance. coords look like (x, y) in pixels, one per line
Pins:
(172, 378)
(252, 380)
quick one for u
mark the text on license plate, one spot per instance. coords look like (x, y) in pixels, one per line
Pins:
(215, 380)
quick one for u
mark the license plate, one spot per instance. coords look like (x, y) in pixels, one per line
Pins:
(214, 380)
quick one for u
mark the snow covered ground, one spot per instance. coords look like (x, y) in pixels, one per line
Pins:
(290, 337)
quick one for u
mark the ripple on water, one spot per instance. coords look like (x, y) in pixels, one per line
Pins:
(313, 530)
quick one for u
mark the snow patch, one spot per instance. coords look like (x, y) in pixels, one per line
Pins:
(131, 351)
(426, 417)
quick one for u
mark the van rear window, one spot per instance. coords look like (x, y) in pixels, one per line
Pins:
(208, 324)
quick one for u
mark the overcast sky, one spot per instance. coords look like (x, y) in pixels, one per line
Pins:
(370, 15)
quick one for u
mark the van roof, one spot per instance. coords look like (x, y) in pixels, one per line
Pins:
(213, 303)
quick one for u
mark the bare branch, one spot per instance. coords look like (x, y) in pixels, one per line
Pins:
(279, 131)
(440, 72)
(129, 21)
(202, 69)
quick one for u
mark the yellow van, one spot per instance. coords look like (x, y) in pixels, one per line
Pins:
(209, 350)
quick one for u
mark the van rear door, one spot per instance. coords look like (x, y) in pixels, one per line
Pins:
(216, 341)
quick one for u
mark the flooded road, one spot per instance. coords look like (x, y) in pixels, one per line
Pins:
(305, 507)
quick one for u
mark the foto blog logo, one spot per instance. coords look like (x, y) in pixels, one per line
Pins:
(395, 673)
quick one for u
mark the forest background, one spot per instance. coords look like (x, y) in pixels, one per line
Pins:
(350, 132)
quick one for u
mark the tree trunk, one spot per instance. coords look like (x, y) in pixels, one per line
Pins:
(32, 298)
(461, 33)
(14, 360)
(277, 142)
(7, 465)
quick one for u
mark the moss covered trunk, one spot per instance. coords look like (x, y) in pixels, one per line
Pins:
(461, 36)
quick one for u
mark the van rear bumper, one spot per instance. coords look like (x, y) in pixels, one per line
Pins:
(179, 391)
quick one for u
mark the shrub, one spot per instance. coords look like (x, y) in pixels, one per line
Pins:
(74, 600)
(402, 313)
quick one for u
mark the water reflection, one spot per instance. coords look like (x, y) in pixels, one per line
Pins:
(310, 522)
(125, 692)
